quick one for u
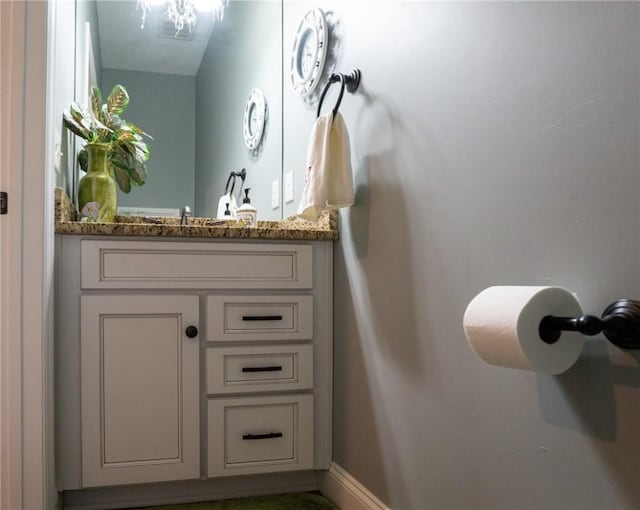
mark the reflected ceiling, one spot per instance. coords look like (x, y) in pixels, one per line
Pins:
(154, 49)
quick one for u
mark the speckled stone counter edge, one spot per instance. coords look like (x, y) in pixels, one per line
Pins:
(325, 228)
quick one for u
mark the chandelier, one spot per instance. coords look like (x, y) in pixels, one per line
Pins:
(184, 13)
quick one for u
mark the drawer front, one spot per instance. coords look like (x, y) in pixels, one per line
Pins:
(257, 369)
(257, 435)
(222, 265)
(242, 318)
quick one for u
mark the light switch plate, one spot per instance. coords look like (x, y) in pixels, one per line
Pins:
(275, 194)
(288, 187)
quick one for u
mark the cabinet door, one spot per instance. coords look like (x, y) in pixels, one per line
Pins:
(140, 412)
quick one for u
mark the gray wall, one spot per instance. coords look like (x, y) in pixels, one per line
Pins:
(244, 53)
(493, 143)
(163, 105)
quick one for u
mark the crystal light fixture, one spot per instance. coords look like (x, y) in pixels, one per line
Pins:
(184, 13)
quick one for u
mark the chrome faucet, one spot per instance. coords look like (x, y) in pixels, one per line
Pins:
(185, 212)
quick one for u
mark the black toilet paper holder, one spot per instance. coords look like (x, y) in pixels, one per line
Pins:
(620, 324)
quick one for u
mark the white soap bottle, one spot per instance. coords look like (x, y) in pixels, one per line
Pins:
(246, 212)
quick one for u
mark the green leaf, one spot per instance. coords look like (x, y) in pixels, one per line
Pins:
(138, 174)
(142, 150)
(87, 125)
(75, 127)
(114, 121)
(137, 130)
(122, 178)
(102, 124)
(124, 157)
(76, 112)
(96, 101)
(118, 100)
(126, 137)
(83, 159)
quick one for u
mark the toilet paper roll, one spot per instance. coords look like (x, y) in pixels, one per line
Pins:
(501, 325)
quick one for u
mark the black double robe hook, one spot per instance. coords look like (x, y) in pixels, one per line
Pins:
(349, 81)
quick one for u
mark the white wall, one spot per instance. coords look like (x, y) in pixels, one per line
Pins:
(493, 143)
(162, 105)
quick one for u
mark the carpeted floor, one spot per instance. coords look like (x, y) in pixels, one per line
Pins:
(298, 501)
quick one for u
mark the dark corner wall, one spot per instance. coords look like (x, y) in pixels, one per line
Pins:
(492, 143)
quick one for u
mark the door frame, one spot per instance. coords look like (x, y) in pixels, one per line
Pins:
(12, 21)
(26, 260)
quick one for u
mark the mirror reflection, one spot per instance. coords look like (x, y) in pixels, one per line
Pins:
(193, 92)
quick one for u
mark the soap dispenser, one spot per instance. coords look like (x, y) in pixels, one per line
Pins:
(246, 212)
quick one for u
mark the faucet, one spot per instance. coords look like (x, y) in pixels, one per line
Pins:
(185, 212)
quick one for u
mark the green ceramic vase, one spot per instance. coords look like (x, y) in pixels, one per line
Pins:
(97, 197)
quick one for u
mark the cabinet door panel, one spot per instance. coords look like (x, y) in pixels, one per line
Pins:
(139, 389)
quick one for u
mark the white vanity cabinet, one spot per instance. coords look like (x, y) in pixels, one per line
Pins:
(191, 359)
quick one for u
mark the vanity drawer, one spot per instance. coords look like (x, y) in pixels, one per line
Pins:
(257, 435)
(179, 265)
(242, 318)
(256, 369)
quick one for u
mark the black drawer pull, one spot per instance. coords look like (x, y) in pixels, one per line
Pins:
(262, 317)
(274, 368)
(270, 435)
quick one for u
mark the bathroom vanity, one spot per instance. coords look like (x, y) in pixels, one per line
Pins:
(191, 358)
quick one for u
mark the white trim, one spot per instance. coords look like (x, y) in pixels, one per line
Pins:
(3, 336)
(347, 492)
(36, 262)
(12, 33)
(26, 467)
(51, 498)
(89, 76)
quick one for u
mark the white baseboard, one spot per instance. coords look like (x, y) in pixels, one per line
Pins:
(345, 491)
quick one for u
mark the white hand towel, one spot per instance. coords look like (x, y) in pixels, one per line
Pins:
(328, 179)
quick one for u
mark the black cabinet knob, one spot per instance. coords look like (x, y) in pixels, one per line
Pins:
(191, 331)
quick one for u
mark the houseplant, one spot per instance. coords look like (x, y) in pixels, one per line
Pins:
(115, 152)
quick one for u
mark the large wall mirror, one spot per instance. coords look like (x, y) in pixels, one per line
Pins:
(190, 92)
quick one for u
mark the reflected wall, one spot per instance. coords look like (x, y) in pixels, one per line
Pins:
(244, 53)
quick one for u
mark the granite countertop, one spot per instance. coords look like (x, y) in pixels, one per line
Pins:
(325, 228)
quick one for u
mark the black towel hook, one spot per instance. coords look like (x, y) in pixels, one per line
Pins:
(232, 175)
(349, 81)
